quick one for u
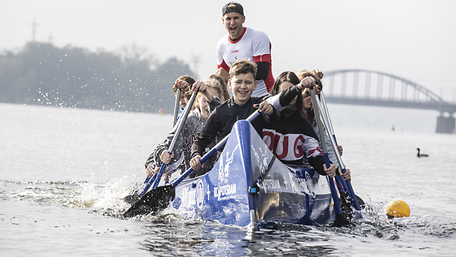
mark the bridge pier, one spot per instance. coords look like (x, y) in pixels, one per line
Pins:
(445, 124)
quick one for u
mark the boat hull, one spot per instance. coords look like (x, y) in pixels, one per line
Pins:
(283, 194)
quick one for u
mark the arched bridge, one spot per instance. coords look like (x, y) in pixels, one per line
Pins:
(365, 87)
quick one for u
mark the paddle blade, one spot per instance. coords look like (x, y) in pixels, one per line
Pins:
(153, 201)
(340, 221)
(133, 198)
(346, 206)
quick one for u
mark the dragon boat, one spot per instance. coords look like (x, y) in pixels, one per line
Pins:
(247, 185)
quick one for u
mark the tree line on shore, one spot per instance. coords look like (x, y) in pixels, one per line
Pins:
(130, 80)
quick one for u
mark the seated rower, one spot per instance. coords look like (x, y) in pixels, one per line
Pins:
(292, 138)
(204, 104)
(242, 84)
(183, 89)
(307, 108)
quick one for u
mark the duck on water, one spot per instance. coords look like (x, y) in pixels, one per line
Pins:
(421, 154)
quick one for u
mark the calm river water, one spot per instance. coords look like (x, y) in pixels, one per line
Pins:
(63, 173)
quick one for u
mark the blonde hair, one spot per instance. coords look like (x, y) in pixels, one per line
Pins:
(189, 94)
(213, 85)
(219, 84)
(301, 73)
(199, 95)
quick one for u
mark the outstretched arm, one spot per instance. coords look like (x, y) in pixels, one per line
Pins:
(285, 97)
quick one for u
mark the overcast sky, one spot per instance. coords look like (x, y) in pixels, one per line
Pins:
(412, 39)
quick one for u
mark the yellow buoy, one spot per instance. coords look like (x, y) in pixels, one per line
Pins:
(398, 208)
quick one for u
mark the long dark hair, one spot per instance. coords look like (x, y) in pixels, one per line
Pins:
(289, 76)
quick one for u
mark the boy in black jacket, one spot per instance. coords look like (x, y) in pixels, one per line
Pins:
(242, 83)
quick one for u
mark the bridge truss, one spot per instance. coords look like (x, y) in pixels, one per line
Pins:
(365, 87)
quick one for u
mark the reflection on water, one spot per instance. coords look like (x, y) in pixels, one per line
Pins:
(207, 238)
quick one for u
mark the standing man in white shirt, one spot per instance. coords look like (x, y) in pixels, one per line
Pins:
(244, 43)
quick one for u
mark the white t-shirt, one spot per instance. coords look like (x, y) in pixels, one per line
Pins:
(253, 45)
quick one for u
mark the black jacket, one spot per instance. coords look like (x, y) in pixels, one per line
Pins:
(223, 118)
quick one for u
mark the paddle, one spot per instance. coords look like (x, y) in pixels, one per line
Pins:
(345, 183)
(149, 180)
(340, 219)
(329, 129)
(341, 185)
(176, 106)
(176, 113)
(173, 143)
(131, 199)
(158, 199)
